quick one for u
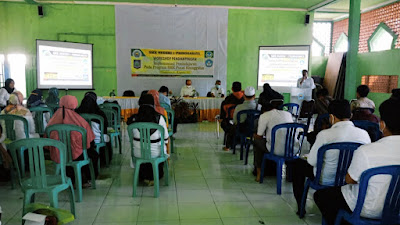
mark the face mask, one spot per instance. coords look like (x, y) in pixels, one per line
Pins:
(188, 86)
(217, 86)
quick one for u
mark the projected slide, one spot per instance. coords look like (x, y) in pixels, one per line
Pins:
(64, 65)
(281, 66)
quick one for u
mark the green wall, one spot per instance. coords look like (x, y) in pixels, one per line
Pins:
(249, 29)
(379, 63)
(318, 65)
(64, 22)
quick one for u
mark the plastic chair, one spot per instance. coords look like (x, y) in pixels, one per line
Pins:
(246, 137)
(100, 120)
(116, 107)
(293, 130)
(39, 181)
(145, 152)
(293, 108)
(171, 118)
(64, 134)
(346, 150)
(115, 135)
(371, 127)
(39, 112)
(53, 107)
(165, 105)
(391, 208)
(9, 121)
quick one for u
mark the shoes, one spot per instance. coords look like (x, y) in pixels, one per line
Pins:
(225, 149)
(149, 182)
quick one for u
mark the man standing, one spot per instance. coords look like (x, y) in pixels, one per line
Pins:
(217, 91)
(305, 81)
(188, 90)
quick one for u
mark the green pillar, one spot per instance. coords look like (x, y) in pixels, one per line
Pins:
(351, 61)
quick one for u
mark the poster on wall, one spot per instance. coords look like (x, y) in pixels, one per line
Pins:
(172, 63)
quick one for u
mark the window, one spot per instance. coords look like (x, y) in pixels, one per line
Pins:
(317, 48)
(17, 71)
(322, 33)
(382, 39)
(380, 83)
(342, 44)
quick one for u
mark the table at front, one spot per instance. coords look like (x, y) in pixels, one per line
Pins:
(208, 107)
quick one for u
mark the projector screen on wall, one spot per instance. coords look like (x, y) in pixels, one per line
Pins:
(64, 65)
(281, 66)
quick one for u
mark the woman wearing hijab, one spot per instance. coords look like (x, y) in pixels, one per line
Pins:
(157, 106)
(66, 115)
(89, 106)
(267, 95)
(52, 100)
(15, 107)
(148, 113)
(5, 92)
(35, 100)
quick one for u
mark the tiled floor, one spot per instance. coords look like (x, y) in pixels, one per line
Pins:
(207, 186)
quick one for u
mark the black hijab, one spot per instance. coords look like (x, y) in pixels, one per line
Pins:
(7, 86)
(267, 95)
(35, 99)
(89, 105)
(147, 112)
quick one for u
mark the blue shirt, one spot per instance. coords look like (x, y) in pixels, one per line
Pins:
(164, 99)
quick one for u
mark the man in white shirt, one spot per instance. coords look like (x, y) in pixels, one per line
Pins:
(362, 100)
(188, 90)
(305, 81)
(342, 130)
(266, 122)
(384, 152)
(217, 90)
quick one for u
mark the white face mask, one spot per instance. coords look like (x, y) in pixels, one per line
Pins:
(188, 86)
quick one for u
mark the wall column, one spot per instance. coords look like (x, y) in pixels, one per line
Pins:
(352, 61)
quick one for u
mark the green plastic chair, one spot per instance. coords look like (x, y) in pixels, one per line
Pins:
(165, 106)
(115, 135)
(145, 151)
(39, 111)
(53, 107)
(64, 133)
(115, 107)
(171, 118)
(96, 118)
(38, 180)
(9, 121)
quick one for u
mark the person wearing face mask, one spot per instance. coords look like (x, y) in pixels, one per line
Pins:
(5, 92)
(384, 152)
(188, 90)
(342, 130)
(217, 91)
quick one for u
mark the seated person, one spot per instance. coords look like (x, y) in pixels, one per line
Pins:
(89, 106)
(209, 94)
(147, 113)
(342, 130)
(262, 144)
(163, 95)
(305, 81)
(188, 90)
(5, 159)
(144, 93)
(268, 95)
(35, 100)
(395, 93)
(249, 103)
(15, 107)
(322, 102)
(381, 153)
(5, 92)
(128, 93)
(52, 100)
(233, 99)
(362, 100)
(217, 90)
(66, 115)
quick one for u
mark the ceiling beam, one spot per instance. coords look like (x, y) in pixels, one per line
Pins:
(320, 5)
(332, 11)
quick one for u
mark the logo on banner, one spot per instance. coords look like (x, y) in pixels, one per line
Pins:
(136, 53)
(137, 64)
(209, 63)
(209, 54)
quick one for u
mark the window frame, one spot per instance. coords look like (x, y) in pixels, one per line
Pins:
(383, 26)
(321, 45)
(341, 37)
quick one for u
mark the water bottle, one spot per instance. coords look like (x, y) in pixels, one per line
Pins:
(112, 94)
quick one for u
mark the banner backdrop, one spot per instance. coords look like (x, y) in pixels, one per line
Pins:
(163, 62)
(163, 28)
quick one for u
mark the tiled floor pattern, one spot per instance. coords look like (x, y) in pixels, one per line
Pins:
(207, 187)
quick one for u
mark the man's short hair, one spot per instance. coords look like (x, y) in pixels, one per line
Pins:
(340, 109)
(217, 81)
(363, 90)
(236, 86)
(322, 92)
(188, 80)
(390, 111)
(163, 89)
(304, 71)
